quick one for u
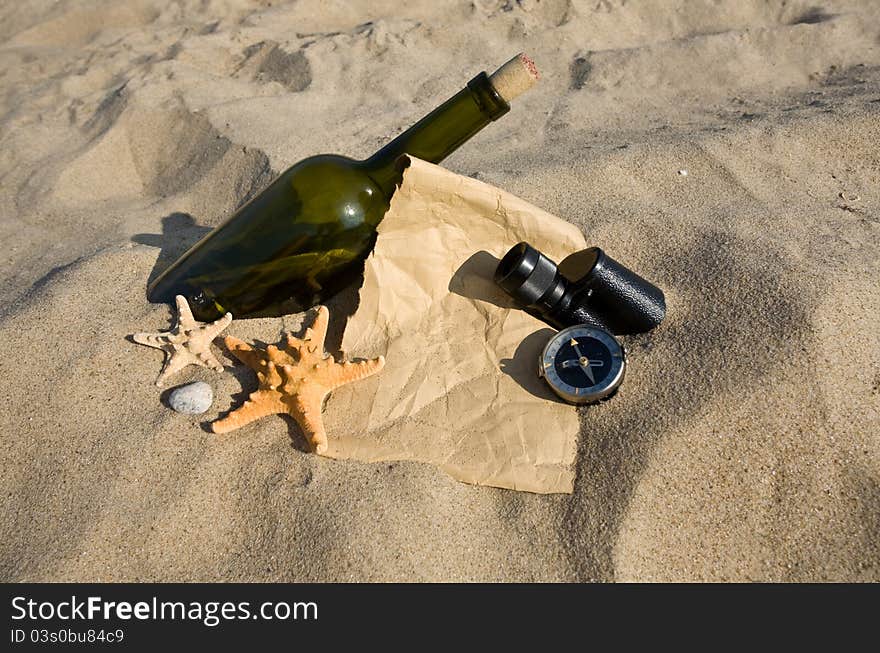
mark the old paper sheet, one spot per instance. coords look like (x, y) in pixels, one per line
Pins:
(460, 386)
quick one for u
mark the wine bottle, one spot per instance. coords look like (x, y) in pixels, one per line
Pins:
(305, 237)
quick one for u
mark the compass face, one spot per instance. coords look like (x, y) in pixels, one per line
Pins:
(583, 364)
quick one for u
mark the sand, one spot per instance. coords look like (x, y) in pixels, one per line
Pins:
(726, 151)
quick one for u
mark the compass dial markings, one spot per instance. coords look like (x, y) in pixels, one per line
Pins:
(597, 354)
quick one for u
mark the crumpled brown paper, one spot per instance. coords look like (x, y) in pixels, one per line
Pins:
(460, 386)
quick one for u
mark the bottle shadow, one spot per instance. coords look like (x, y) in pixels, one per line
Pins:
(179, 233)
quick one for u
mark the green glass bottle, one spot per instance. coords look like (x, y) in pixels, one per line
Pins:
(305, 237)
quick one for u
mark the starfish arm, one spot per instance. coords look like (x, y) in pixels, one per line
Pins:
(292, 344)
(305, 409)
(260, 404)
(185, 318)
(174, 362)
(317, 333)
(156, 340)
(244, 352)
(208, 359)
(334, 375)
(216, 327)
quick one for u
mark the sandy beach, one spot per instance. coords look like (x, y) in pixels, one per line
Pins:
(726, 151)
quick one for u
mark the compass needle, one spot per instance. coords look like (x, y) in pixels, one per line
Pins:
(589, 373)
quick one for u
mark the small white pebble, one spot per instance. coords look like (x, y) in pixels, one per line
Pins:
(683, 172)
(192, 398)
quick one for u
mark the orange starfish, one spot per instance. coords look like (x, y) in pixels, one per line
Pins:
(294, 380)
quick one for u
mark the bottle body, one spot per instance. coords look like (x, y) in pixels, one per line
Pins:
(305, 237)
(300, 239)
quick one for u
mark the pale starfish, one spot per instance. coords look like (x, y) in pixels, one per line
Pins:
(188, 343)
(294, 380)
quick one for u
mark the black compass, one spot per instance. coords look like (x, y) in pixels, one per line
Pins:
(583, 364)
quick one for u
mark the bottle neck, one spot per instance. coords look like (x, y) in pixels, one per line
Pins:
(438, 134)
